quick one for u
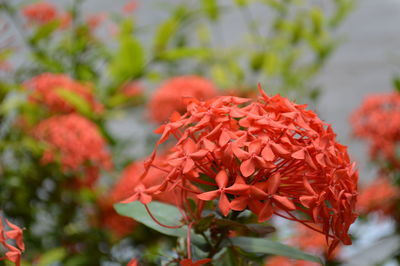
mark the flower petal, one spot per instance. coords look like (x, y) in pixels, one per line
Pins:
(210, 195)
(222, 179)
(247, 167)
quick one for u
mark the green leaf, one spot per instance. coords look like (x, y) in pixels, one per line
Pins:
(52, 256)
(44, 31)
(396, 84)
(185, 52)
(128, 62)
(164, 213)
(211, 9)
(164, 34)
(266, 246)
(81, 105)
(241, 2)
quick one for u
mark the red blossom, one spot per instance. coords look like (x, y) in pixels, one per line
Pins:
(271, 156)
(169, 97)
(13, 253)
(40, 13)
(45, 89)
(75, 143)
(133, 262)
(377, 121)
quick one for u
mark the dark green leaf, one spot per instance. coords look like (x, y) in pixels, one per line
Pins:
(396, 84)
(266, 246)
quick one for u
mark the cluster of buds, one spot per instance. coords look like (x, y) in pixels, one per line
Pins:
(269, 156)
(13, 253)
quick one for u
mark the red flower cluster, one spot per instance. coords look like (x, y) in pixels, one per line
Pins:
(378, 121)
(13, 253)
(379, 196)
(40, 13)
(169, 97)
(270, 156)
(75, 142)
(47, 88)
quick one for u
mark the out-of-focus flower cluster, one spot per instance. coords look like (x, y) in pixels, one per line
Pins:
(379, 196)
(170, 96)
(377, 121)
(50, 90)
(75, 142)
(270, 156)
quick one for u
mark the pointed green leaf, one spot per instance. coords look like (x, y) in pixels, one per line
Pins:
(164, 213)
(164, 34)
(211, 9)
(80, 104)
(266, 246)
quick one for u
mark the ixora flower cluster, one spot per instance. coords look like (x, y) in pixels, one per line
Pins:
(13, 253)
(51, 90)
(270, 156)
(377, 120)
(75, 142)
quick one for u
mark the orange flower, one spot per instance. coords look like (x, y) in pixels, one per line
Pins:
(377, 121)
(45, 89)
(379, 196)
(76, 143)
(270, 156)
(40, 13)
(13, 253)
(169, 97)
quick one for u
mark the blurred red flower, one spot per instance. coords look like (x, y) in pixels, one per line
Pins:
(379, 196)
(270, 156)
(130, 6)
(47, 89)
(95, 20)
(377, 121)
(13, 253)
(40, 12)
(76, 143)
(169, 97)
